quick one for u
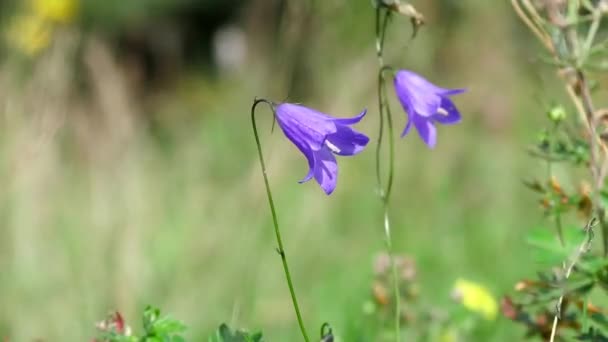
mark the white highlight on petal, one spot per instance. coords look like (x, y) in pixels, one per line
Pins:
(442, 111)
(332, 147)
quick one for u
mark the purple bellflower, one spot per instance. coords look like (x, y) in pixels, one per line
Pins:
(319, 136)
(425, 104)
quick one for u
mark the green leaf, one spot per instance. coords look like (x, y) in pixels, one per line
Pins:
(548, 248)
(225, 334)
(167, 326)
(592, 264)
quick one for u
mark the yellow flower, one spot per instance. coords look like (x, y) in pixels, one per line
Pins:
(29, 34)
(60, 11)
(449, 335)
(476, 298)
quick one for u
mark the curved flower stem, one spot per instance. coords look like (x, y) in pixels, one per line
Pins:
(384, 109)
(387, 225)
(277, 232)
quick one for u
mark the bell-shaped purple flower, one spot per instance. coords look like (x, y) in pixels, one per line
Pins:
(320, 136)
(425, 104)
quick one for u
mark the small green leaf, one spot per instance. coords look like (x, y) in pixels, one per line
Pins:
(225, 334)
(167, 326)
(549, 249)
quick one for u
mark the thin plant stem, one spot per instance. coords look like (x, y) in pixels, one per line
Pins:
(559, 228)
(379, 48)
(384, 109)
(387, 224)
(558, 219)
(280, 249)
(538, 32)
(596, 169)
(582, 249)
(595, 24)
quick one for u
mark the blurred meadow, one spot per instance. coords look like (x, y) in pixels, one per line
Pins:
(129, 173)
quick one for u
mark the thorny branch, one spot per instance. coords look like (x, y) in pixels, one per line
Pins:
(578, 89)
(582, 249)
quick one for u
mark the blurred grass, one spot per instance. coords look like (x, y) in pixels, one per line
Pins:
(114, 200)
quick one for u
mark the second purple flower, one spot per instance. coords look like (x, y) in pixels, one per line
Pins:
(425, 104)
(319, 136)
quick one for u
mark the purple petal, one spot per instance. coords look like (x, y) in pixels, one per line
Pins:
(346, 141)
(311, 161)
(408, 125)
(350, 121)
(413, 81)
(416, 94)
(307, 126)
(447, 113)
(426, 130)
(326, 170)
(301, 143)
(450, 92)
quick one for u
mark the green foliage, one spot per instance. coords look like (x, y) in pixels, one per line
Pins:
(155, 325)
(156, 328)
(556, 305)
(557, 145)
(225, 334)
(548, 248)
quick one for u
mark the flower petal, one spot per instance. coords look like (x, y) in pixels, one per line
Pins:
(450, 92)
(326, 169)
(447, 113)
(311, 161)
(304, 124)
(408, 125)
(413, 80)
(426, 130)
(301, 143)
(346, 141)
(350, 121)
(416, 94)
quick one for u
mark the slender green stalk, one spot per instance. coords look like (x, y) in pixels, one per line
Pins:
(582, 249)
(558, 219)
(387, 224)
(379, 48)
(595, 25)
(384, 109)
(277, 231)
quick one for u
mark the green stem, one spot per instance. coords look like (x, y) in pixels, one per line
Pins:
(596, 168)
(387, 226)
(558, 219)
(595, 24)
(277, 232)
(380, 105)
(384, 109)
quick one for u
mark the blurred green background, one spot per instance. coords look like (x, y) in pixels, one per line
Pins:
(129, 174)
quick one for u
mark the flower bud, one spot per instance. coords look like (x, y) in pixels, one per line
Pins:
(557, 114)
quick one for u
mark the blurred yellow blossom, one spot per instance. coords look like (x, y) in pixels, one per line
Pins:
(60, 11)
(449, 335)
(476, 298)
(29, 34)
(32, 31)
